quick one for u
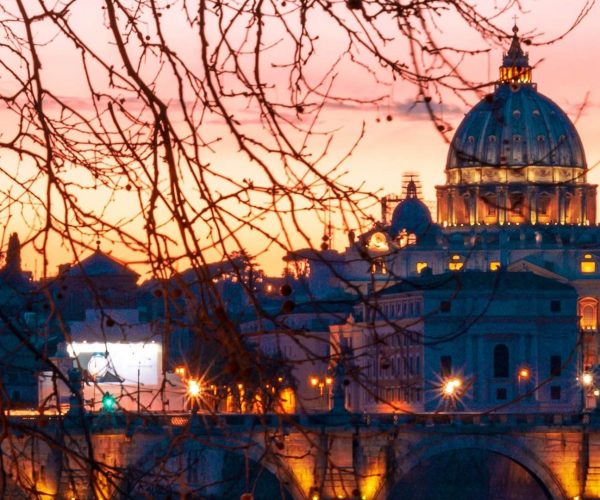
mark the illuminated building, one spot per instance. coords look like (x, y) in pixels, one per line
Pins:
(413, 341)
(516, 201)
(120, 355)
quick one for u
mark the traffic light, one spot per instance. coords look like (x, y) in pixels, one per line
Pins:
(109, 402)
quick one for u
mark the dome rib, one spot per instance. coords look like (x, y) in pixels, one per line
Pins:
(516, 127)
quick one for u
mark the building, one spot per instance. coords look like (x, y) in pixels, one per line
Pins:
(516, 207)
(505, 337)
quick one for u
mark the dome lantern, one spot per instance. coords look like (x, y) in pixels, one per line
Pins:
(515, 63)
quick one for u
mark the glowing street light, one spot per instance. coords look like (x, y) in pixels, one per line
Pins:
(194, 389)
(587, 379)
(451, 387)
(321, 383)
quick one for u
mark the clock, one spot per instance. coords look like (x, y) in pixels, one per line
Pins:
(378, 241)
(98, 365)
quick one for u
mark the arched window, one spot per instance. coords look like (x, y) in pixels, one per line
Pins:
(588, 313)
(501, 361)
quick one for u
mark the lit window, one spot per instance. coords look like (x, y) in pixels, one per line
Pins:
(494, 265)
(412, 239)
(421, 266)
(588, 313)
(588, 265)
(455, 266)
(378, 267)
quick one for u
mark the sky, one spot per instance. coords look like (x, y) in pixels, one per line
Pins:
(398, 134)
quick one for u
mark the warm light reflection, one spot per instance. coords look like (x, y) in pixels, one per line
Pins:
(372, 481)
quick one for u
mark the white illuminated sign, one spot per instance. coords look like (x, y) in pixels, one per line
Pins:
(126, 362)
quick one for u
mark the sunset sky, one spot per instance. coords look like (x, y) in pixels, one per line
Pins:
(399, 136)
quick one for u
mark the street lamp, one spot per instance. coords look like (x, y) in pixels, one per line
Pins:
(321, 383)
(451, 390)
(194, 390)
(587, 379)
(451, 386)
(523, 374)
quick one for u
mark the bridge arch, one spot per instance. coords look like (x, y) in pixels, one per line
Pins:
(181, 467)
(409, 460)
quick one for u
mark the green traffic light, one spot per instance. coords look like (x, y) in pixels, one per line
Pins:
(109, 403)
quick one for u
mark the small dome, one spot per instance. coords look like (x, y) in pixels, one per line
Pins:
(516, 126)
(412, 216)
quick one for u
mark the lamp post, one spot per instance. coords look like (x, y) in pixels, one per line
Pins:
(321, 383)
(523, 376)
(194, 390)
(586, 379)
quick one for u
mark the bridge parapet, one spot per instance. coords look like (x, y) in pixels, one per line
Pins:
(322, 455)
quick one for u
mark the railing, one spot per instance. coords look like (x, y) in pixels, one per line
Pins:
(153, 422)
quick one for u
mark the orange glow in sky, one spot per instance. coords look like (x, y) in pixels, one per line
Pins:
(398, 135)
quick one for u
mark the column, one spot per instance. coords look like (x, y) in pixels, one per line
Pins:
(532, 203)
(501, 197)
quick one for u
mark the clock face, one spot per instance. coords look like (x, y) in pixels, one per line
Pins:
(378, 241)
(98, 365)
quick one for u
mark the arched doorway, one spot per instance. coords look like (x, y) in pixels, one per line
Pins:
(469, 474)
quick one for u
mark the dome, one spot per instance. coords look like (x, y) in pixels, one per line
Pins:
(516, 126)
(410, 215)
(509, 154)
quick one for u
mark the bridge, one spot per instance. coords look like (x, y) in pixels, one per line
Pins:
(319, 456)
